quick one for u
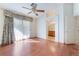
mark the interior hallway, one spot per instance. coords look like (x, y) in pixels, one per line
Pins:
(39, 47)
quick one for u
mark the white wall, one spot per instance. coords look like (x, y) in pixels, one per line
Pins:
(51, 27)
(76, 17)
(1, 24)
(60, 25)
(77, 29)
(65, 24)
(41, 27)
(51, 24)
(69, 23)
(34, 27)
(76, 9)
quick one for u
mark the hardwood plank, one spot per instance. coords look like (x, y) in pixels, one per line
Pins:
(39, 47)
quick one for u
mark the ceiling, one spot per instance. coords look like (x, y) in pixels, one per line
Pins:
(17, 7)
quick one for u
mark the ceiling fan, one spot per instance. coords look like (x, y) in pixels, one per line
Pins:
(33, 9)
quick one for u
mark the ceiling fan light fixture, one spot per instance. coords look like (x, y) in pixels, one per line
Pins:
(34, 9)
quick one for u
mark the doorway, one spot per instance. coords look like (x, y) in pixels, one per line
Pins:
(51, 29)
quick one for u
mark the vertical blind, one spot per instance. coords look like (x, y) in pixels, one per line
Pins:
(21, 29)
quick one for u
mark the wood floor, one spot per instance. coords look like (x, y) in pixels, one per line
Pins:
(39, 47)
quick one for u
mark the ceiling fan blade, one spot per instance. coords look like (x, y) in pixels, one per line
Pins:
(26, 8)
(40, 10)
(29, 12)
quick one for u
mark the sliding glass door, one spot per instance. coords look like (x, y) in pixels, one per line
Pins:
(21, 29)
(26, 29)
